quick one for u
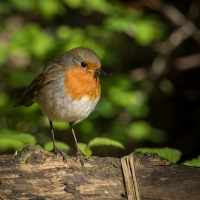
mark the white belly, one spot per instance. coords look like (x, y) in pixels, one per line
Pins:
(59, 107)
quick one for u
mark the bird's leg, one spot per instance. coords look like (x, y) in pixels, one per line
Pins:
(53, 138)
(78, 152)
(55, 148)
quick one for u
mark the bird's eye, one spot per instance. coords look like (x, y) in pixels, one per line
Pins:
(83, 64)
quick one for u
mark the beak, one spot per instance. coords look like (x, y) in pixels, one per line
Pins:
(101, 72)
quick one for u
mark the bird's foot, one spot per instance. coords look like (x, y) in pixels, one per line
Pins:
(63, 153)
(80, 157)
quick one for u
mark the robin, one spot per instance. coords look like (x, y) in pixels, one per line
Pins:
(67, 90)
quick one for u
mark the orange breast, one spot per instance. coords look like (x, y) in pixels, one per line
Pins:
(80, 83)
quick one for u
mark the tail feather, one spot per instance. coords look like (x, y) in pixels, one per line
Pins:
(23, 103)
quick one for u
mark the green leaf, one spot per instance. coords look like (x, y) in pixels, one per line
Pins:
(49, 146)
(22, 137)
(8, 144)
(194, 162)
(84, 149)
(10, 139)
(104, 141)
(172, 155)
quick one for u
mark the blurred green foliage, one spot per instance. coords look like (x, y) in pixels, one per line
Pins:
(194, 162)
(60, 145)
(33, 32)
(86, 148)
(15, 140)
(172, 155)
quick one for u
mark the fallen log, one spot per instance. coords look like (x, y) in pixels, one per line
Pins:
(39, 175)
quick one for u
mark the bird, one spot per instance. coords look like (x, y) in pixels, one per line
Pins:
(67, 90)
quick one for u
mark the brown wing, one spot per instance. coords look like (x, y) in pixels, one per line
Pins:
(51, 73)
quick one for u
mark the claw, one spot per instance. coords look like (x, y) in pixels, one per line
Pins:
(61, 152)
(80, 157)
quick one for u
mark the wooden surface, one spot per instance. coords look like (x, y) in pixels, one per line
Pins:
(130, 177)
(157, 179)
(35, 174)
(38, 175)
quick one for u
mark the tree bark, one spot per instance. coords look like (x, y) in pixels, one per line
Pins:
(39, 175)
(149, 177)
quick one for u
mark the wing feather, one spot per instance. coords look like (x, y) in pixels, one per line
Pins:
(49, 74)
